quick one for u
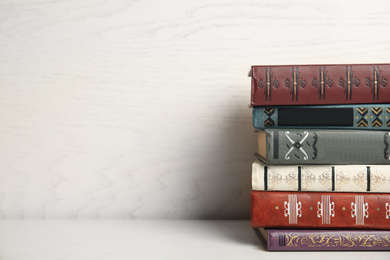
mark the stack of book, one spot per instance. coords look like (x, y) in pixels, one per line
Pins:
(321, 179)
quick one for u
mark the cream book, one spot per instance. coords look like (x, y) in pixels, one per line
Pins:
(340, 178)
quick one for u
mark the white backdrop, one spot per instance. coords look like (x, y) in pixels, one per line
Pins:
(139, 109)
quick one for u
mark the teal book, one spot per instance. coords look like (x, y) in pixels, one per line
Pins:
(323, 146)
(362, 117)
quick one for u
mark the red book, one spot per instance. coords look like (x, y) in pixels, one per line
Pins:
(324, 210)
(320, 84)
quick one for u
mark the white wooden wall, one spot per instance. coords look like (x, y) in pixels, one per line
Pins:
(139, 109)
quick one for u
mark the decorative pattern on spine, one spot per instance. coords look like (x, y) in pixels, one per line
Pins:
(266, 90)
(362, 117)
(269, 83)
(292, 209)
(312, 240)
(376, 82)
(333, 241)
(323, 82)
(349, 82)
(359, 210)
(325, 209)
(296, 145)
(387, 117)
(377, 117)
(295, 83)
(269, 112)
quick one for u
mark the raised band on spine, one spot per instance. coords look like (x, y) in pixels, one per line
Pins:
(333, 179)
(299, 178)
(368, 178)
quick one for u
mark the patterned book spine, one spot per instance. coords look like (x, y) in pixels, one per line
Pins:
(370, 117)
(320, 84)
(330, 240)
(324, 210)
(341, 178)
(315, 146)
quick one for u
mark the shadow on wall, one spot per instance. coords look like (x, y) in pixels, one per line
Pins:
(224, 185)
(200, 166)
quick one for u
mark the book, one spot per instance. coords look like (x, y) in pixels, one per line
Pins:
(372, 117)
(318, 146)
(329, 240)
(323, 210)
(340, 178)
(320, 84)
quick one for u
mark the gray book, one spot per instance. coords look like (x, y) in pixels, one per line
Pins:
(314, 146)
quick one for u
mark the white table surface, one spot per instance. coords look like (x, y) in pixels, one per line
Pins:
(143, 239)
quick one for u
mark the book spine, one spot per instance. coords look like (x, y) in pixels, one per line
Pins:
(329, 240)
(326, 210)
(315, 146)
(320, 84)
(370, 117)
(341, 178)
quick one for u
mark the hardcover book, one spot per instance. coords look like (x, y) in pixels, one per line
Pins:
(329, 240)
(323, 210)
(372, 117)
(315, 146)
(320, 84)
(341, 178)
